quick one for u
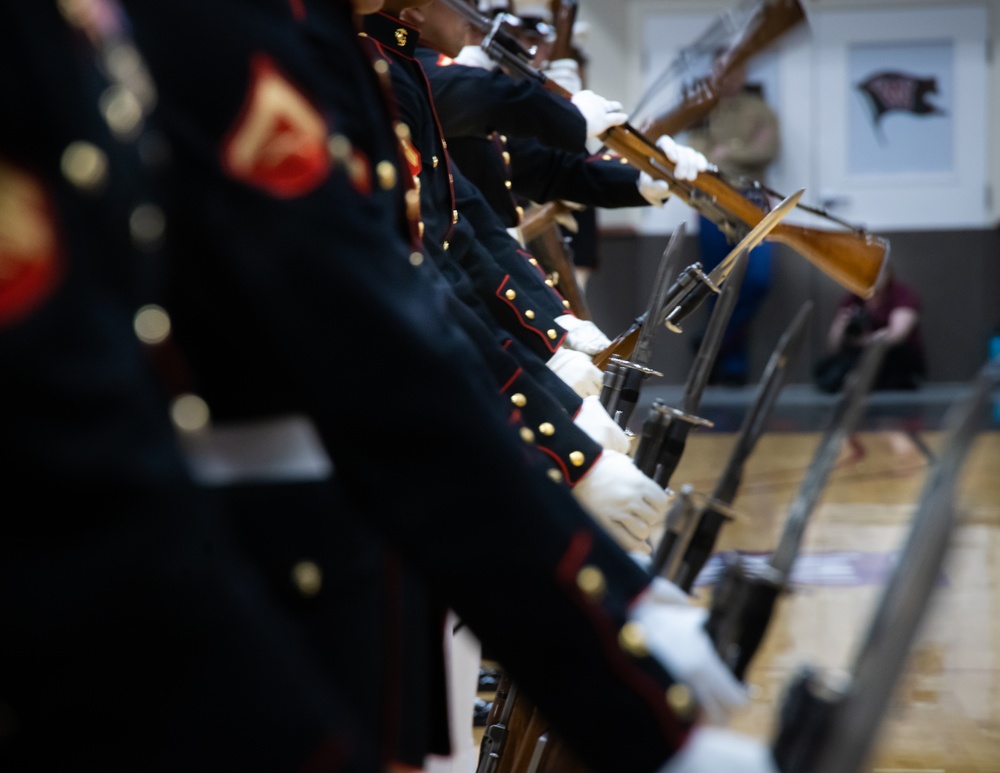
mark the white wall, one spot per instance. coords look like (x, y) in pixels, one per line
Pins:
(621, 31)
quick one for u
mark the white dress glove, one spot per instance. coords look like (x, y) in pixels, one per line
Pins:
(600, 113)
(475, 56)
(593, 419)
(675, 635)
(577, 370)
(565, 72)
(688, 162)
(584, 335)
(716, 749)
(656, 192)
(622, 499)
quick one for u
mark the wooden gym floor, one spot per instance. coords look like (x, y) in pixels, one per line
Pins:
(945, 716)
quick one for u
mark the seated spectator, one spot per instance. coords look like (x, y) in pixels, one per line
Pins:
(892, 313)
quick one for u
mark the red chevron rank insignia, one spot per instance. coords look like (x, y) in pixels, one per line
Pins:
(279, 140)
(30, 257)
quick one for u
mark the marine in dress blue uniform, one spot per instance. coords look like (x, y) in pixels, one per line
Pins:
(504, 284)
(133, 636)
(304, 269)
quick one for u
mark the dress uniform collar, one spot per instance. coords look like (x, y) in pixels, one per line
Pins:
(392, 33)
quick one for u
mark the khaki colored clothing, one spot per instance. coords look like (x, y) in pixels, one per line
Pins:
(747, 128)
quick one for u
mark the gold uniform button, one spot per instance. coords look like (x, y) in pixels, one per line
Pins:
(510, 295)
(85, 165)
(151, 324)
(520, 213)
(606, 157)
(454, 216)
(529, 314)
(624, 162)
(551, 334)
(445, 245)
(550, 283)
(576, 458)
(546, 429)
(121, 110)
(339, 147)
(381, 66)
(308, 578)
(591, 581)
(386, 172)
(416, 258)
(519, 400)
(632, 639)
(527, 435)
(435, 161)
(566, 304)
(503, 138)
(506, 157)
(420, 229)
(681, 701)
(508, 184)
(189, 413)
(146, 224)
(444, 144)
(533, 261)
(554, 475)
(402, 129)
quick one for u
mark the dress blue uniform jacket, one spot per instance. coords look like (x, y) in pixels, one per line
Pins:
(133, 636)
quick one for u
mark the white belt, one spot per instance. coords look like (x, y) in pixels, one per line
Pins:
(278, 449)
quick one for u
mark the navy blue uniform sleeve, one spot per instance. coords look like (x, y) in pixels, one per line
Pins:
(542, 174)
(475, 102)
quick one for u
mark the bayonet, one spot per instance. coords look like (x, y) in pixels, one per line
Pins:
(743, 599)
(688, 543)
(711, 282)
(830, 721)
(624, 377)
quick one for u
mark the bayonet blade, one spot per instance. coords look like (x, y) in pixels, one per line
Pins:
(844, 737)
(701, 369)
(643, 352)
(848, 411)
(755, 236)
(683, 306)
(771, 383)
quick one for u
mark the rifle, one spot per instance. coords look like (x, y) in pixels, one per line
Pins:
(829, 722)
(564, 17)
(853, 258)
(691, 531)
(623, 378)
(743, 600)
(767, 22)
(693, 286)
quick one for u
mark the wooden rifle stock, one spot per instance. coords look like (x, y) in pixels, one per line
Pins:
(550, 251)
(564, 14)
(853, 259)
(769, 21)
